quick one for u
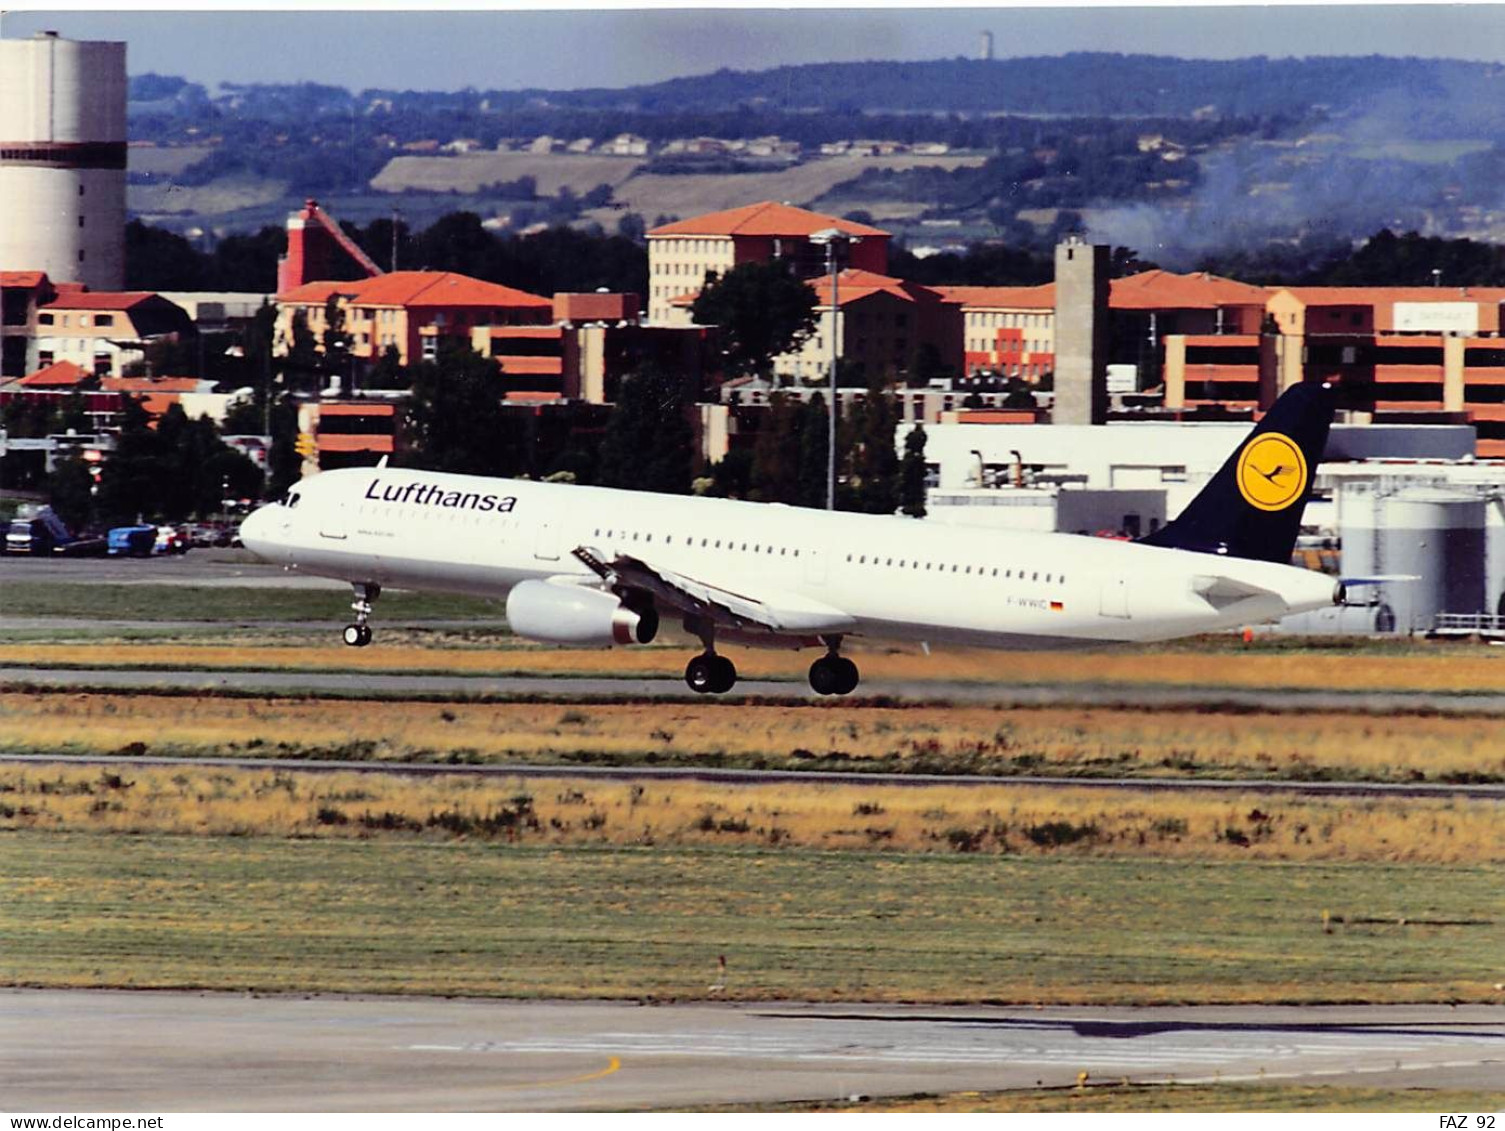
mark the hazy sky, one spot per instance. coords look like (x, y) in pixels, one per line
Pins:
(561, 49)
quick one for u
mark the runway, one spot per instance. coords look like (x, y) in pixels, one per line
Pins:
(571, 689)
(160, 1052)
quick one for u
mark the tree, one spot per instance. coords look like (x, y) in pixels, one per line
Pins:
(336, 342)
(130, 484)
(762, 311)
(815, 443)
(300, 365)
(284, 464)
(874, 462)
(389, 371)
(70, 493)
(732, 477)
(456, 420)
(649, 443)
(776, 452)
(912, 474)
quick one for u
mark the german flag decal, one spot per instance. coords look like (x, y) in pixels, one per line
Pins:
(1057, 607)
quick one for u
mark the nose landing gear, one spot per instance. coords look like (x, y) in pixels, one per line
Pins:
(358, 635)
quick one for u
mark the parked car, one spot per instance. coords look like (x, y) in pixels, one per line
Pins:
(131, 541)
(170, 540)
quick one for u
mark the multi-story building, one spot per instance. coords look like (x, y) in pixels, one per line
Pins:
(1007, 330)
(410, 311)
(104, 332)
(884, 327)
(1401, 353)
(682, 254)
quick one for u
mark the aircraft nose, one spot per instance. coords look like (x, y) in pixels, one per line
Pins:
(256, 532)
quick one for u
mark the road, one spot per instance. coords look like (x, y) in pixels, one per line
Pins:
(159, 1052)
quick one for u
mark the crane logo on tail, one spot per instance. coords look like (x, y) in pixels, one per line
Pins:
(1272, 472)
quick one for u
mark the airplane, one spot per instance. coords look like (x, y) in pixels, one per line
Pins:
(599, 566)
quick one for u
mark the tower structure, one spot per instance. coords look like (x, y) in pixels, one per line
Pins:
(62, 159)
(1081, 333)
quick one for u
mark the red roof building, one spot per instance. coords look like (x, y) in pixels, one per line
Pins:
(681, 254)
(411, 311)
(59, 375)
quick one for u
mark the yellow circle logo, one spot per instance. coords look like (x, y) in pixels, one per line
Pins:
(1271, 472)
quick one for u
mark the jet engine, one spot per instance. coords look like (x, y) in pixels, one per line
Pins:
(572, 614)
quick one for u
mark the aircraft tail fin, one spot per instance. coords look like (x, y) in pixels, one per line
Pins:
(1252, 507)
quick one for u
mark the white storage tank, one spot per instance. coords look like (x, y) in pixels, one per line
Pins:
(1434, 533)
(63, 159)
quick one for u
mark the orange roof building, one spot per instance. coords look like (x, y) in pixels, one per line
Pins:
(883, 325)
(58, 375)
(1007, 330)
(681, 254)
(411, 311)
(103, 332)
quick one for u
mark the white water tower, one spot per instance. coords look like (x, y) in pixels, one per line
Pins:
(62, 159)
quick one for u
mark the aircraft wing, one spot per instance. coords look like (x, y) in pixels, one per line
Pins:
(756, 607)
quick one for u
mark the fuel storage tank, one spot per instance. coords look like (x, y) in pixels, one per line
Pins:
(1437, 534)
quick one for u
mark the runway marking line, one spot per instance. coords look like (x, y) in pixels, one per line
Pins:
(613, 1064)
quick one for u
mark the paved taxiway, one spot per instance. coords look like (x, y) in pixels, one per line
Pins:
(149, 1051)
(573, 688)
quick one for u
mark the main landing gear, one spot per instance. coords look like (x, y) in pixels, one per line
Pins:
(833, 673)
(709, 673)
(358, 635)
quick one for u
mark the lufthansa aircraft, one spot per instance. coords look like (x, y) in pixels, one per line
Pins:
(590, 565)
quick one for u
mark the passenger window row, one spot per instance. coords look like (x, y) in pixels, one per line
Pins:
(940, 567)
(705, 543)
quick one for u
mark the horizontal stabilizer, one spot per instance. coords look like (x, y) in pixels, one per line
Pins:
(1220, 592)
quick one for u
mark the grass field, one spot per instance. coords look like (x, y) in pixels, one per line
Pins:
(1071, 741)
(1148, 1098)
(1000, 820)
(149, 602)
(460, 917)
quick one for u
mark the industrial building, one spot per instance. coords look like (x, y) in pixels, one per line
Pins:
(63, 159)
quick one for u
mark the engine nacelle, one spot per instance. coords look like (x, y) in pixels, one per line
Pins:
(572, 614)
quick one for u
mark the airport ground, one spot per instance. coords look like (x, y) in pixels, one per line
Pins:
(1113, 834)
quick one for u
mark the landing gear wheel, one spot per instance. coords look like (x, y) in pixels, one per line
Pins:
(700, 674)
(710, 674)
(725, 674)
(358, 635)
(833, 675)
(847, 675)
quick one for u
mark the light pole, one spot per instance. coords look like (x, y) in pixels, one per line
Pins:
(830, 238)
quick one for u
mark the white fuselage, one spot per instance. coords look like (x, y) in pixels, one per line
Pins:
(894, 577)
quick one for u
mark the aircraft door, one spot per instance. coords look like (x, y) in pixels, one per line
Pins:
(332, 521)
(815, 567)
(546, 546)
(1115, 598)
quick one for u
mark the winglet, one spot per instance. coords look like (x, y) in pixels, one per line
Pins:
(1252, 507)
